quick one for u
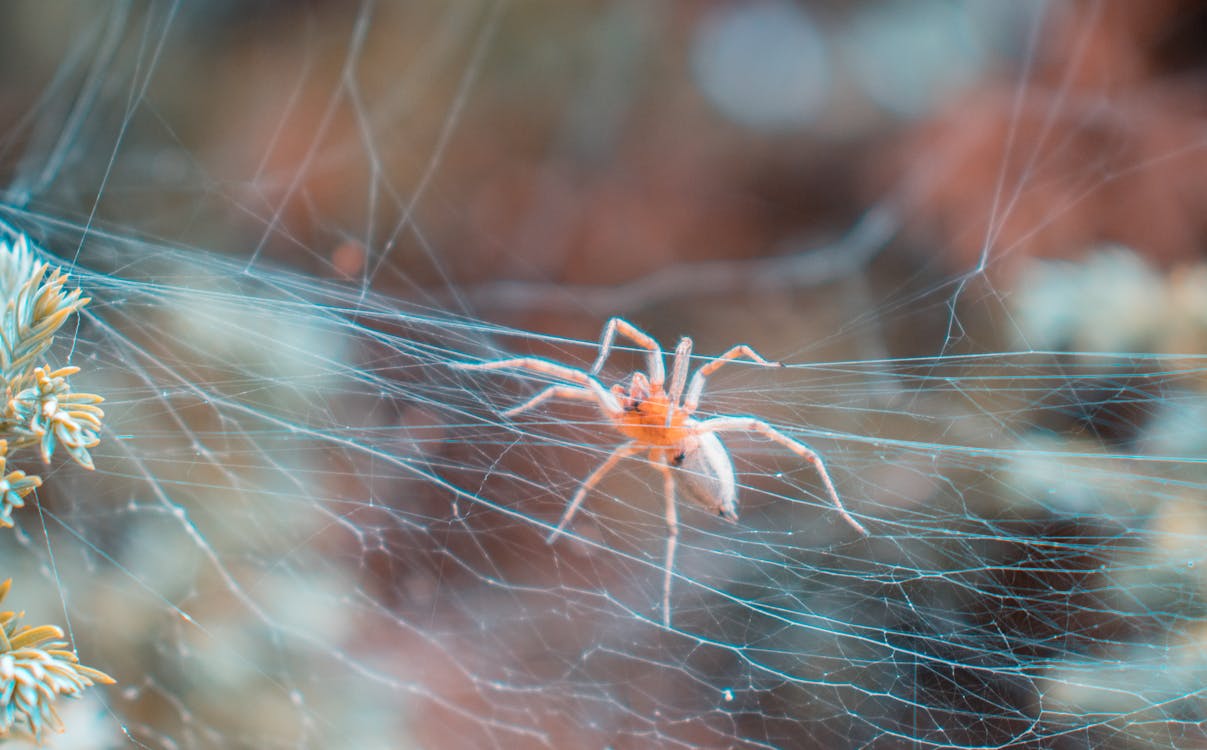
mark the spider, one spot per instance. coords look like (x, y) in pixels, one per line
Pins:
(659, 420)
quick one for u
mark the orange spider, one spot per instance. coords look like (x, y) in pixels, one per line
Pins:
(659, 420)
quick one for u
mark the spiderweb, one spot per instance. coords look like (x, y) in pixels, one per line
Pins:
(971, 231)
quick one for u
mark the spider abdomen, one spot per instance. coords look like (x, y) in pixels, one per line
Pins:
(706, 474)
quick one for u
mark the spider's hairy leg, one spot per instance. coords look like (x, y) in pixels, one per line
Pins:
(620, 452)
(554, 391)
(679, 368)
(741, 351)
(672, 541)
(622, 327)
(748, 424)
(607, 401)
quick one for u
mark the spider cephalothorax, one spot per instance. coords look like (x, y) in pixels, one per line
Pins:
(657, 419)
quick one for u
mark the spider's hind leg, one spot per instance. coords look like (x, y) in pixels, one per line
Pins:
(672, 542)
(554, 391)
(607, 402)
(620, 452)
(749, 424)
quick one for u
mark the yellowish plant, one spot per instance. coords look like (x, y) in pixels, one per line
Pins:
(40, 409)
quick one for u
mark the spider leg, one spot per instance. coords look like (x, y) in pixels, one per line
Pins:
(620, 452)
(738, 352)
(679, 367)
(607, 402)
(553, 391)
(748, 424)
(672, 541)
(622, 327)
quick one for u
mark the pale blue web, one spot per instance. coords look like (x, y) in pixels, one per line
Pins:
(307, 528)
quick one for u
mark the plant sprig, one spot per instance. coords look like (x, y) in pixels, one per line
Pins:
(40, 409)
(35, 306)
(36, 669)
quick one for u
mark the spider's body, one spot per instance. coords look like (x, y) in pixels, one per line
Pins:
(672, 438)
(658, 421)
(649, 417)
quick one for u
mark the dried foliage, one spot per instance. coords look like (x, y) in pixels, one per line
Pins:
(1101, 142)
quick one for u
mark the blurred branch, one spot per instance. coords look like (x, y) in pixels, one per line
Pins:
(809, 268)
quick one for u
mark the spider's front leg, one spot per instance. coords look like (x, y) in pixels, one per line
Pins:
(679, 367)
(620, 326)
(749, 424)
(740, 351)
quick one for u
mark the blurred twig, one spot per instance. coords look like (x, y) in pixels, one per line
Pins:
(814, 267)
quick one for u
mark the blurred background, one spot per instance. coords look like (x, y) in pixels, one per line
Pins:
(973, 231)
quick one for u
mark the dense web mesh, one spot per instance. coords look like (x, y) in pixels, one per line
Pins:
(972, 232)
